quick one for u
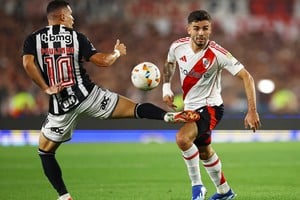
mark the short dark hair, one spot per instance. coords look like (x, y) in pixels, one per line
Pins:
(55, 5)
(198, 15)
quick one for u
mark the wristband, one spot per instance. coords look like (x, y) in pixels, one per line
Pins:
(166, 90)
(116, 53)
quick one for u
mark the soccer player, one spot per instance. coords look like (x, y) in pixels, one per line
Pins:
(201, 62)
(53, 59)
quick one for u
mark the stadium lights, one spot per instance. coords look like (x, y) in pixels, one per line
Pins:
(266, 86)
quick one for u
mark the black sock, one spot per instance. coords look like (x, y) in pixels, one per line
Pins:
(52, 171)
(149, 111)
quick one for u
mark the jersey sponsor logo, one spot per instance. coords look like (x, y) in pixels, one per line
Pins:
(66, 37)
(193, 73)
(69, 102)
(196, 74)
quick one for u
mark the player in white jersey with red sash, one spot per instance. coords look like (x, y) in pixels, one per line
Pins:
(200, 63)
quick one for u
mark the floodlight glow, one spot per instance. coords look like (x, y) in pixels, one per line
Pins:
(266, 86)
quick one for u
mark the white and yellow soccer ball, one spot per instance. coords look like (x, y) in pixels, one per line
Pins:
(145, 76)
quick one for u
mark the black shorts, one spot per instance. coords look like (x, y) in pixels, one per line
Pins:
(210, 116)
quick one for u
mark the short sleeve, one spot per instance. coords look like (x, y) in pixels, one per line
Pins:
(87, 49)
(29, 46)
(171, 54)
(231, 64)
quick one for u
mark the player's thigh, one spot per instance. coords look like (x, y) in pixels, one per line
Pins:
(125, 108)
(100, 103)
(187, 133)
(59, 128)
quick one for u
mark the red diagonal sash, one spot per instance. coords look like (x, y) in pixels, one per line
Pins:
(197, 71)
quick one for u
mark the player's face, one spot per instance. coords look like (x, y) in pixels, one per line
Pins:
(68, 18)
(199, 33)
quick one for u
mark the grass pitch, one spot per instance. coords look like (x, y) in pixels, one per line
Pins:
(263, 171)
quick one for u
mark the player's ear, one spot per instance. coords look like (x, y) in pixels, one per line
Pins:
(188, 29)
(62, 17)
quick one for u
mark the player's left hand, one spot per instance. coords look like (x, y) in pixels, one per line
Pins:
(120, 47)
(252, 121)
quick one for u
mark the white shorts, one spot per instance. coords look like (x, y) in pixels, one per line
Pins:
(100, 103)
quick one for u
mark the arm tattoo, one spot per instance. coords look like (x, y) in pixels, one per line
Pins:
(168, 71)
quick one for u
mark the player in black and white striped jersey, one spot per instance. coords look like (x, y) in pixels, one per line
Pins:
(53, 59)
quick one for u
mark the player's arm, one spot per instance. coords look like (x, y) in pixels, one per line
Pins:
(252, 118)
(34, 73)
(168, 72)
(107, 59)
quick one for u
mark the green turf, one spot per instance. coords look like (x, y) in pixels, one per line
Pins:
(256, 171)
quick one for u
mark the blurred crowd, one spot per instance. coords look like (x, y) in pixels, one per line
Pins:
(267, 44)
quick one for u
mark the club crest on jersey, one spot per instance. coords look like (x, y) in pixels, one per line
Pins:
(67, 38)
(206, 63)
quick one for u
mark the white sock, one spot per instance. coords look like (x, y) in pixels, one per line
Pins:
(65, 197)
(213, 167)
(191, 159)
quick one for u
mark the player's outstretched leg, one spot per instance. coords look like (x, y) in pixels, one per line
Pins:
(183, 116)
(150, 111)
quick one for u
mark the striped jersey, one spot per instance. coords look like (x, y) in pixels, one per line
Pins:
(200, 73)
(59, 53)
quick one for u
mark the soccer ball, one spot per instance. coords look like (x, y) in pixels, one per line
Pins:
(145, 76)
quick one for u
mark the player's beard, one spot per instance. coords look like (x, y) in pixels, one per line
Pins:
(200, 41)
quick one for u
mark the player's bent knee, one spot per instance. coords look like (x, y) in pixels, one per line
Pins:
(183, 142)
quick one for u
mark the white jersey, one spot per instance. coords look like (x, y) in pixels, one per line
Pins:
(200, 73)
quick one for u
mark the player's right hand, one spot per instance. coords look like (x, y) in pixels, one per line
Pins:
(169, 101)
(168, 96)
(252, 121)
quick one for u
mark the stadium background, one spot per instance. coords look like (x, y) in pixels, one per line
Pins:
(262, 34)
